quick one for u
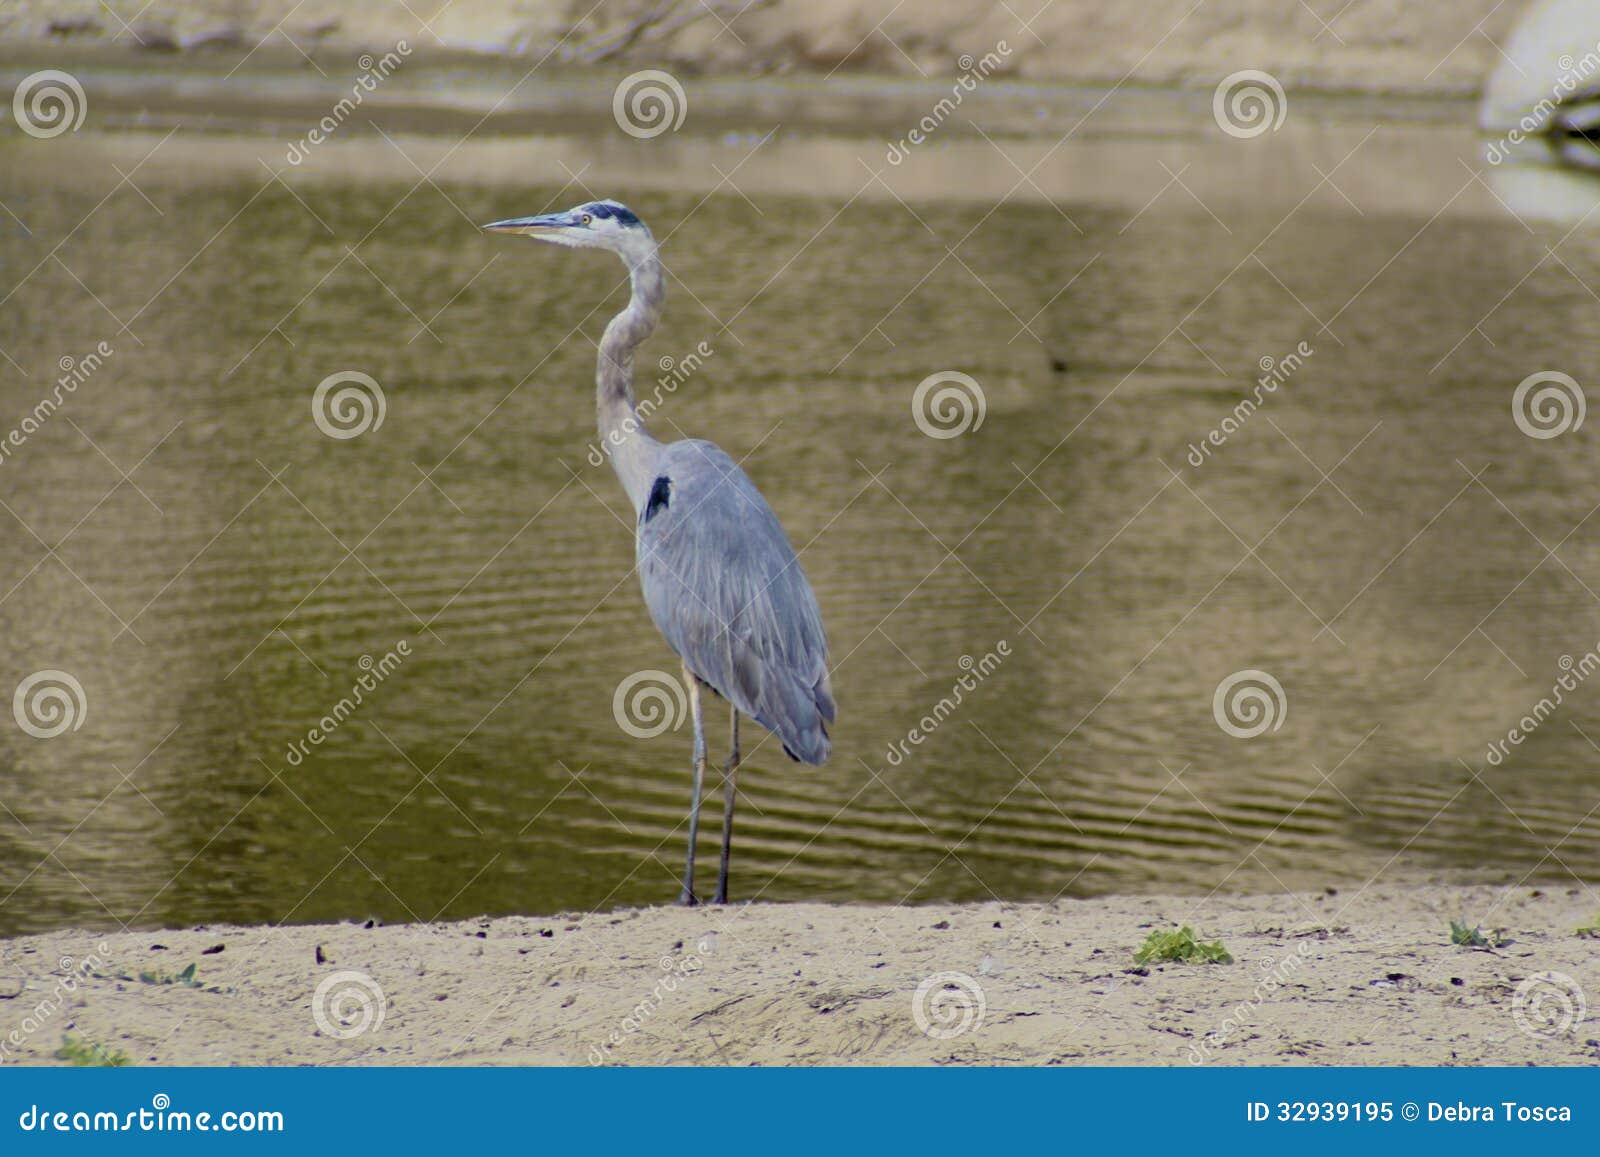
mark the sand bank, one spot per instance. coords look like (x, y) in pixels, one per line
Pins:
(1318, 979)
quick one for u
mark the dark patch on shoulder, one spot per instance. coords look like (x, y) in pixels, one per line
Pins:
(660, 497)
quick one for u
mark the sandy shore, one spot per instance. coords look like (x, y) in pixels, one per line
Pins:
(1318, 979)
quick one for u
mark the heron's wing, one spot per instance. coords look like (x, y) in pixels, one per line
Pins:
(725, 588)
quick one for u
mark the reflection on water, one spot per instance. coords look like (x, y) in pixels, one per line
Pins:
(1377, 534)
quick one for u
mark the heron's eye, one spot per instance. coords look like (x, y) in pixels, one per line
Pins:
(586, 219)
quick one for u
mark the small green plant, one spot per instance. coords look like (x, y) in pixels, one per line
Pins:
(161, 976)
(155, 976)
(185, 978)
(1180, 945)
(1591, 931)
(1473, 937)
(90, 1054)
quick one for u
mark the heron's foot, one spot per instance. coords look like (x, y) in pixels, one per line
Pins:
(687, 899)
(721, 897)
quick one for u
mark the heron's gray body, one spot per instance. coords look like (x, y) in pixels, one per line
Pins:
(725, 589)
(721, 581)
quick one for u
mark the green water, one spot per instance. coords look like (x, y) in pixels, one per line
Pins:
(182, 539)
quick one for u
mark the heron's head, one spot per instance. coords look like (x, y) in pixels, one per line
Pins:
(592, 225)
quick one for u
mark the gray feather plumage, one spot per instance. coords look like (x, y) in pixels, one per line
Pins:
(725, 588)
(720, 579)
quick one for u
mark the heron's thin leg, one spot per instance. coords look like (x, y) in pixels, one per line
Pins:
(687, 895)
(728, 788)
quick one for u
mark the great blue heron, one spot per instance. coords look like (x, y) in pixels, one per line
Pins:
(720, 579)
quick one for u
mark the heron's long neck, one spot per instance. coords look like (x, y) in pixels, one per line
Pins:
(622, 430)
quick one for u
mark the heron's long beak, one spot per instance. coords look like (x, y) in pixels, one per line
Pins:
(543, 225)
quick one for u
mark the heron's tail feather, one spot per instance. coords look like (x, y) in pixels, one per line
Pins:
(799, 716)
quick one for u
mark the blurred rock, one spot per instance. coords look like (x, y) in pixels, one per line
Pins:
(149, 36)
(74, 26)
